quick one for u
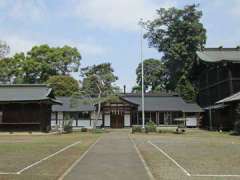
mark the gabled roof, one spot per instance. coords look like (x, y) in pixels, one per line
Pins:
(191, 107)
(163, 103)
(153, 102)
(26, 92)
(232, 98)
(69, 105)
(220, 54)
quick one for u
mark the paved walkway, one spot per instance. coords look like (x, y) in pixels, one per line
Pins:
(112, 158)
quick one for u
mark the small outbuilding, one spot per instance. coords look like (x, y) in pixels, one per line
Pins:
(26, 107)
(161, 108)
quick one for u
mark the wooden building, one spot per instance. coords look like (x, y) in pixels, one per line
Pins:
(162, 109)
(26, 107)
(219, 78)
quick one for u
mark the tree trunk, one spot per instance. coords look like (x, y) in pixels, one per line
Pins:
(98, 113)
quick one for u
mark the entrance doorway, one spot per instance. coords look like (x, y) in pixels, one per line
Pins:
(117, 120)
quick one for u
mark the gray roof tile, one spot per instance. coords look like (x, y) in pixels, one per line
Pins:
(25, 92)
(219, 54)
(152, 103)
(69, 105)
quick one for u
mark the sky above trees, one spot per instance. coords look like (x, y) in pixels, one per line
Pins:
(106, 30)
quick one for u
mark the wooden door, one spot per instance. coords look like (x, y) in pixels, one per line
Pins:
(117, 120)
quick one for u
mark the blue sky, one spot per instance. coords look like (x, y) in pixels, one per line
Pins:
(106, 30)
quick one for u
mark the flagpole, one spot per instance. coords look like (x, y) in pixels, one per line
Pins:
(141, 56)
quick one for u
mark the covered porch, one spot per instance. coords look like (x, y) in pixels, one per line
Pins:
(118, 114)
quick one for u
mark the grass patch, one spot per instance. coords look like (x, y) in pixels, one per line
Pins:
(18, 152)
(198, 151)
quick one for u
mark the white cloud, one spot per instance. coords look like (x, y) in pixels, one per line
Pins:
(235, 10)
(118, 14)
(24, 9)
(22, 44)
(18, 44)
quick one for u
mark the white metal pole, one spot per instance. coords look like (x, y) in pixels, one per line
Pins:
(141, 55)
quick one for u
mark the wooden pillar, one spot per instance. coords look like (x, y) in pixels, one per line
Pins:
(103, 119)
(40, 112)
(137, 118)
(56, 118)
(184, 117)
(230, 81)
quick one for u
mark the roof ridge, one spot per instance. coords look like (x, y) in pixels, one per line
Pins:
(23, 85)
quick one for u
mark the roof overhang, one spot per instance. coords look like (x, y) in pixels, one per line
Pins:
(217, 106)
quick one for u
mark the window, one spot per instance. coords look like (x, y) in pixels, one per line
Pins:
(84, 115)
(1, 116)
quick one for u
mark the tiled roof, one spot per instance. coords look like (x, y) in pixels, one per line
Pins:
(152, 103)
(26, 92)
(70, 105)
(234, 97)
(219, 54)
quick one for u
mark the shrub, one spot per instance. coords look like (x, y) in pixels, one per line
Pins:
(136, 128)
(180, 130)
(237, 127)
(150, 127)
(67, 126)
(237, 122)
(84, 130)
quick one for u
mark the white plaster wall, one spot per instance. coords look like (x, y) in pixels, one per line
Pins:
(127, 120)
(99, 122)
(191, 122)
(53, 122)
(60, 115)
(107, 120)
(84, 123)
(93, 116)
(53, 116)
(73, 123)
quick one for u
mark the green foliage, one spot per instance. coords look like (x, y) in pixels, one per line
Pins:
(178, 34)
(41, 62)
(153, 74)
(67, 126)
(97, 131)
(98, 78)
(237, 120)
(63, 85)
(98, 86)
(186, 90)
(150, 127)
(84, 130)
(4, 49)
(136, 89)
(136, 129)
(4, 67)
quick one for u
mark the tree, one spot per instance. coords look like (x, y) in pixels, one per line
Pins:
(4, 49)
(91, 76)
(136, 89)
(98, 86)
(4, 67)
(63, 85)
(41, 62)
(178, 34)
(185, 89)
(153, 74)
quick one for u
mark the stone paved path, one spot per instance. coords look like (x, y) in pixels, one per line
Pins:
(112, 158)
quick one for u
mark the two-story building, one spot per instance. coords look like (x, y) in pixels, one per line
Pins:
(219, 78)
